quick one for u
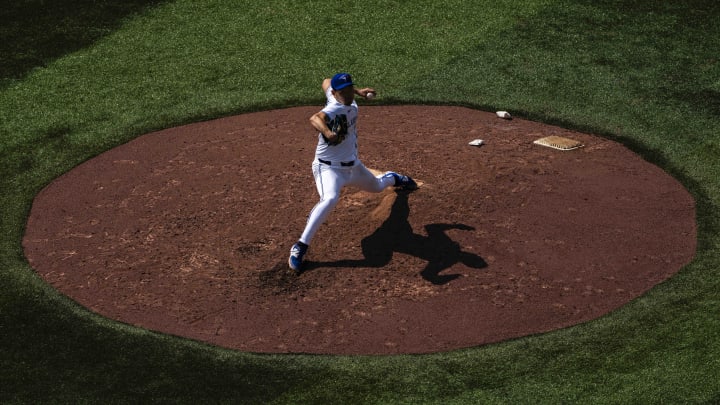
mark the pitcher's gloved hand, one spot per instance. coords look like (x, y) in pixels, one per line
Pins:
(339, 127)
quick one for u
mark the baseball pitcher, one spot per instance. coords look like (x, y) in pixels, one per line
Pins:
(336, 162)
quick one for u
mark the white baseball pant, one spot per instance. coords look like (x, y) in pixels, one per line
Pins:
(330, 180)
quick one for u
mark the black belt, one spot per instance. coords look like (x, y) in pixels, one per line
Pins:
(346, 164)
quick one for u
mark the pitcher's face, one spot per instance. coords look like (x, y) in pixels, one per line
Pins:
(346, 95)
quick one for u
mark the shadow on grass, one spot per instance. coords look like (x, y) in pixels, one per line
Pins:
(36, 32)
(76, 357)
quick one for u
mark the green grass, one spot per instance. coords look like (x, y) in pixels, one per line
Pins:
(73, 85)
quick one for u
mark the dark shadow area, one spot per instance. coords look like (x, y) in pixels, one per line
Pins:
(396, 235)
(36, 32)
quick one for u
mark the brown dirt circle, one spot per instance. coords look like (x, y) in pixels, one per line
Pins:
(187, 231)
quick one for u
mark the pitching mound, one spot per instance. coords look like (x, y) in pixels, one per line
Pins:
(187, 231)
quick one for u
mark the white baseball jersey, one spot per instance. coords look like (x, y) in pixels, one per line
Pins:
(347, 150)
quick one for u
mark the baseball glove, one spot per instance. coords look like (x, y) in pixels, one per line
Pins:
(339, 126)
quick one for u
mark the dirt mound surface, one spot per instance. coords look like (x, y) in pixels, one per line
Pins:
(187, 231)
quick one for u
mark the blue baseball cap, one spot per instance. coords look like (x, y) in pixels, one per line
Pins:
(341, 80)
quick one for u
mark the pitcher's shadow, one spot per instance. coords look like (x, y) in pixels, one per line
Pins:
(396, 235)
